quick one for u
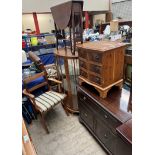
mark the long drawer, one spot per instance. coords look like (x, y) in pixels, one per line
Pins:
(82, 64)
(95, 79)
(95, 68)
(82, 53)
(102, 131)
(83, 73)
(86, 115)
(102, 114)
(95, 57)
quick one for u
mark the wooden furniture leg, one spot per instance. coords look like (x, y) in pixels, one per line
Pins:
(120, 85)
(64, 105)
(43, 123)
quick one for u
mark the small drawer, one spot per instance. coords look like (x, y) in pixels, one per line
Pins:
(95, 79)
(95, 68)
(102, 131)
(83, 73)
(86, 115)
(102, 113)
(86, 101)
(110, 120)
(82, 53)
(96, 57)
(82, 64)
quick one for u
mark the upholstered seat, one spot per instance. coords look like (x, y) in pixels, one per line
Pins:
(49, 99)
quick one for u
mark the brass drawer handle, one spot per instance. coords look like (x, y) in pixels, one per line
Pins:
(105, 135)
(97, 69)
(96, 57)
(97, 79)
(105, 116)
(84, 98)
(85, 114)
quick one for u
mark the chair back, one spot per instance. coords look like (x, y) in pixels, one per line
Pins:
(30, 79)
(34, 58)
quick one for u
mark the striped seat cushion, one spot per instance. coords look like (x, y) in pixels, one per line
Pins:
(49, 99)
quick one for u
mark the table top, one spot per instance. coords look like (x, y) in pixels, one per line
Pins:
(101, 46)
(65, 54)
(125, 130)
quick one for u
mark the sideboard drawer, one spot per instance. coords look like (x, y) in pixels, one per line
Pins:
(109, 120)
(95, 79)
(83, 73)
(82, 53)
(102, 114)
(96, 57)
(102, 131)
(95, 68)
(86, 115)
(82, 64)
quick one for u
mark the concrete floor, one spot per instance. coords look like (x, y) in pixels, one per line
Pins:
(67, 136)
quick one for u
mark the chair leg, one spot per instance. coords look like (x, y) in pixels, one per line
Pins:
(44, 124)
(64, 107)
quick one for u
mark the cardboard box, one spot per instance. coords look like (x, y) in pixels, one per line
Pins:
(114, 26)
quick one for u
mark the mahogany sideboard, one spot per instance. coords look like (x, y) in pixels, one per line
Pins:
(102, 116)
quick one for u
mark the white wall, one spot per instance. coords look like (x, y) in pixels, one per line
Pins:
(96, 5)
(28, 22)
(44, 5)
(45, 21)
(39, 5)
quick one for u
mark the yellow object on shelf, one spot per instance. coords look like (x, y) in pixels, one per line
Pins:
(34, 41)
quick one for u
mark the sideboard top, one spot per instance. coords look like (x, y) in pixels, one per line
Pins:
(101, 45)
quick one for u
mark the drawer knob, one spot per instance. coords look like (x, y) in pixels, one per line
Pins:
(96, 57)
(105, 116)
(97, 79)
(84, 98)
(97, 69)
(105, 135)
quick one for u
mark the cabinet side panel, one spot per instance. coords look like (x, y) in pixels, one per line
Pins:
(118, 64)
(108, 63)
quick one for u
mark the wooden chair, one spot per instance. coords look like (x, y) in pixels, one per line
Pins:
(46, 100)
(38, 63)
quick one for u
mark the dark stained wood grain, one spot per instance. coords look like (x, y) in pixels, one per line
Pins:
(116, 102)
(125, 130)
(103, 116)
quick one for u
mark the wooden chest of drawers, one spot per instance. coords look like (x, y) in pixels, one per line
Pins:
(101, 63)
(102, 117)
